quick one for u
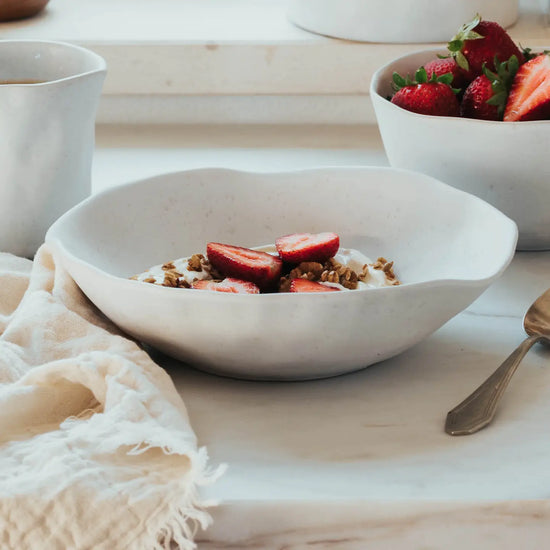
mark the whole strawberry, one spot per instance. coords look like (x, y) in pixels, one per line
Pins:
(477, 43)
(529, 97)
(444, 65)
(433, 96)
(486, 96)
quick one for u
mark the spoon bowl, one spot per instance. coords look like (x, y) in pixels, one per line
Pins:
(537, 319)
(478, 409)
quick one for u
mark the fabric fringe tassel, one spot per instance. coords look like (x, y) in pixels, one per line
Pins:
(187, 512)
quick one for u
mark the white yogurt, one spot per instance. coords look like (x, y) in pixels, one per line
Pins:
(348, 257)
(180, 266)
(355, 260)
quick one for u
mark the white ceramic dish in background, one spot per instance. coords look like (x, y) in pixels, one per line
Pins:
(47, 136)
(396, 20)
(505, 163)
(448, 246)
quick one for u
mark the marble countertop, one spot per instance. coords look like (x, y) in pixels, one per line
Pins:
(361, 461)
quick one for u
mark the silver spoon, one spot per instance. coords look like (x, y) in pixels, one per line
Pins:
(478, 409)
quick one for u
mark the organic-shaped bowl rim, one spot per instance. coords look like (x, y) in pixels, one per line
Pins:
(100, 68)
(54, 238)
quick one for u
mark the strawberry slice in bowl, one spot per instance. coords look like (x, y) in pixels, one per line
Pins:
(257, 267)
(529, 97)
(307, 247)
(305, 285)
(229, 285)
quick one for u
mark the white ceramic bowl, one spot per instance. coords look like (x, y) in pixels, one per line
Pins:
(448, 246)
(396, 20)
(505, 163)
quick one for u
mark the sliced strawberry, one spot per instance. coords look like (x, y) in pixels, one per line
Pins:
(305, 285)
(307, 247)
(529, 97)
(259, 268)
(235, 286)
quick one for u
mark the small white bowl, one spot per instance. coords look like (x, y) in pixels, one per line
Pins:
(398, 21)
(448, 247)
(505, 163)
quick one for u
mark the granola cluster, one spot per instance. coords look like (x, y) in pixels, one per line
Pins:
(174, 278)
(198, 262)
(330, 271)
(386, 267)
(333, 272)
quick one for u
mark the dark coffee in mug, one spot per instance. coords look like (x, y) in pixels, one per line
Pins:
(7, 82)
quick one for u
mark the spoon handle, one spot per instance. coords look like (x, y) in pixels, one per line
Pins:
(478, 409)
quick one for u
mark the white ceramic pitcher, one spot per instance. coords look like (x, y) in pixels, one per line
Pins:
(49, 94)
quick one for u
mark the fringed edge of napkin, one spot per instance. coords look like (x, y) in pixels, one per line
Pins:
(184, 512)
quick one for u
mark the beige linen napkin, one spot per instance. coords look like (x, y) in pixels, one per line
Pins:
(96, 449)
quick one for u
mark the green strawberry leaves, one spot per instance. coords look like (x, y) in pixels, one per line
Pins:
(466, 32)
(501, 81)
(421, 77)
(400, 82)
(461, 61)
(446, 78)
(528, 53)
(455, 45)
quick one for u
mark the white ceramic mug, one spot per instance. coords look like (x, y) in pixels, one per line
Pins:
(49, 94)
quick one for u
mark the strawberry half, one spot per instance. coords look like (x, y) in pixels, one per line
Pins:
(234, 286)
(305, 285)
(259, 268)
(486, 96)
(529, 97)
(433, 96)
(307, 247)
(477, 43)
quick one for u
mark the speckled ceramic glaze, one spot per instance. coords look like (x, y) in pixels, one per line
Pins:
(448, 247)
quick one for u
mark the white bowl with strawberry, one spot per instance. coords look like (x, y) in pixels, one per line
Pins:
(491, 138)
(446, 251)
